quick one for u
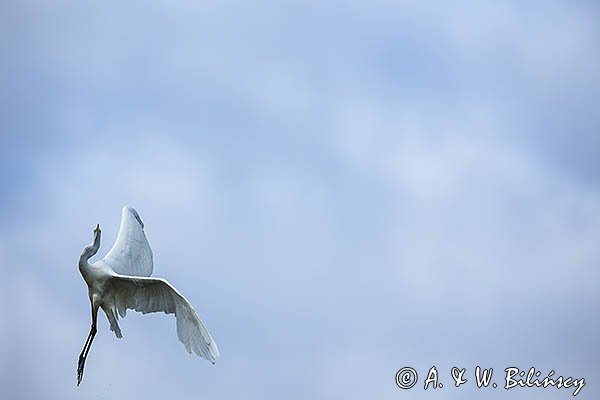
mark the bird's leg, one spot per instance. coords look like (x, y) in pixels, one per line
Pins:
(87, 345)
(85, 350)
(84, 353)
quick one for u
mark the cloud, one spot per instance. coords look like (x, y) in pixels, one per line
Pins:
(340, 190)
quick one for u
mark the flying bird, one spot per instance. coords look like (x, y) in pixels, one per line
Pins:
(121, 281)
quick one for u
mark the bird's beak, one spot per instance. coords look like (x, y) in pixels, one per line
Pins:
(97, 229)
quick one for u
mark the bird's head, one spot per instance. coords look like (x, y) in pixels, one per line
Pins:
(90, 249)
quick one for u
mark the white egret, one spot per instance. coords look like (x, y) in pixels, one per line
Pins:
(121, 281)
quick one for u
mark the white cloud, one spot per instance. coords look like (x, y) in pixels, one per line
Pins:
(342, 204)
(471, 205)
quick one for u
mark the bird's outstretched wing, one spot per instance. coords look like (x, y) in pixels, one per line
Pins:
(148, 295)
(131, 254)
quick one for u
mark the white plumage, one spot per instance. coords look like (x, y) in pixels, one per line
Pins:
(131, 254)
(121, 281)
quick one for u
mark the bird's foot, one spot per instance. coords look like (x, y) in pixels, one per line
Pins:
(80, 366)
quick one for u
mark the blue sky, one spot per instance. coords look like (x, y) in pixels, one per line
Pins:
(341, 189)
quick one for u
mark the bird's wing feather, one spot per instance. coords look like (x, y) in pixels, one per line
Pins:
(148, 295)
(131, 254)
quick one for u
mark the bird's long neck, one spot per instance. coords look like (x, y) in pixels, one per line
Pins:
(89, 250)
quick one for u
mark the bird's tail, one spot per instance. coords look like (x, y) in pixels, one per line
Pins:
(114, 324)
